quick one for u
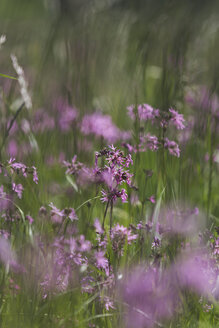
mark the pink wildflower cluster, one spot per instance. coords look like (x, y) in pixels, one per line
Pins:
(144, 112)
(159, 118)
(74, 166)
(114, 173)
(172, 147)
(59, 215)
(153, 294)
(119, 236)
(18, 169)
(62, 260)
(67, 115)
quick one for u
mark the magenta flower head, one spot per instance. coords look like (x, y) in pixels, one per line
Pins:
(149, 141)
(98, 227)
(101, 260)
(177, 119)
(20, 168)
(119, 236)
(172, 147)
(56, 214)
(18, 189)
(144, 112)
(73, 167)
(114, 173)
(35, 175)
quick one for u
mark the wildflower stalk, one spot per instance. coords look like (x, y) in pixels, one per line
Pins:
(143, 200)
(2, 294)
(211, 153)
(9, 128)
(111, 215)
(163, 171)
(107, 205)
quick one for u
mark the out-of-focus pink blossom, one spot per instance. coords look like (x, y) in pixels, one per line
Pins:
(7, 255)
(18, 189)
(85, 245)
(152, 199)
(176, 220)
(35, 175)
(56, 214)
(98, 227)
(172, 147)
(119, 236)
(4, 199)
(144, 112)
(195, 271)
(42, 121)
(177, 119)
(67, 115)
(102, 126)
(101, 261)
(153, 294)
(74, 166)
(149, 296)
(12, 148)
(30, 219)
(108, 303)
(149, 142)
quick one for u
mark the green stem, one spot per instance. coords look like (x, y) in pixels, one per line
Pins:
(107, 205)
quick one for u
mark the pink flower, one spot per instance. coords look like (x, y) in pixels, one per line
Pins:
(173, 147)
(12, 148)
(30, 219)
(98, 227)
(85, 245)
(102, 126)
(108, 303)
(56, 214)
(101, 261)
(152, 199)
(149, 142)
(35, 176)
(18, 189)
(177, 119)
(144, 111)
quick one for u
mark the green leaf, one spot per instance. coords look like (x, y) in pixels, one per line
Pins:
(72, 183)
(157, 209)
(8, 76)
